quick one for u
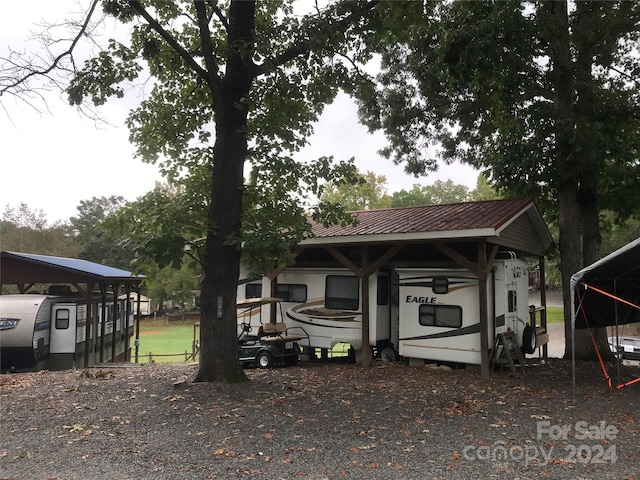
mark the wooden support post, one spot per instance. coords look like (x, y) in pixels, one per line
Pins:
(366, 349)
(485, 368)
(543, 304)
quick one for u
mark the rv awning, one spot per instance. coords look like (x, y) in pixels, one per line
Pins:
(607, 292)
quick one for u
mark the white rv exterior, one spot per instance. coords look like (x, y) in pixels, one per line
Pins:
(423, 313)
(440, 313)
(326, 305)
(134, 298)
(49, 332)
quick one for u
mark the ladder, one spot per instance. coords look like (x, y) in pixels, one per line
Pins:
(506, 351)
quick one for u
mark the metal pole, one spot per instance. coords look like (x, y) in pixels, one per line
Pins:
(137, 342)
(114, 318)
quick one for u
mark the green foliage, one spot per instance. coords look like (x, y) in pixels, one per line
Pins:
(170, 286)
(474, 79)
(159, 225)
(23, 229)
(367, 192)
(176, 123)
(618, 233)
(98, 244)
(438, 193)
(483, 190)
(103, 74)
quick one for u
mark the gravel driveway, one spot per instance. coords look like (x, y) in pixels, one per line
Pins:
(317, 421)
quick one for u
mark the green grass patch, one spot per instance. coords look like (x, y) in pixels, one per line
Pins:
(159, 337)
(555, 315)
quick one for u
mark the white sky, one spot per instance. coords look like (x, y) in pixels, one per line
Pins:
(52, 161)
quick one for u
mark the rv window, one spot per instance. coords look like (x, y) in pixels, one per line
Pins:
(383, 290)
(62, 319)
(290, 292)
(440, 316)
(342, 292)
(253, 290)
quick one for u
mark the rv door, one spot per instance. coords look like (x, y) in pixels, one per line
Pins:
(63, 328)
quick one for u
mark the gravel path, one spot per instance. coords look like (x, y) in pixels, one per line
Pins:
(316, 421)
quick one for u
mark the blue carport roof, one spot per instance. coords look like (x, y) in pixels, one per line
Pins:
(17, 268)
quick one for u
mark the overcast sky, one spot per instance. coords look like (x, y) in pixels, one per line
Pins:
(53, 160)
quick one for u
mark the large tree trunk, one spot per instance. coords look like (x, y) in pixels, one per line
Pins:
(586, 135)
(218, 329)
(591, 241)
(557, 30)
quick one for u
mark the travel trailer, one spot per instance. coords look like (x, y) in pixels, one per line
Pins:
(48, 332)
(422, 313)
(145, 303)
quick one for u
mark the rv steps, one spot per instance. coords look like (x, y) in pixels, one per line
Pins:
(506, 351)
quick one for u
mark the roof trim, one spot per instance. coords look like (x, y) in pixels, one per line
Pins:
(401, 237)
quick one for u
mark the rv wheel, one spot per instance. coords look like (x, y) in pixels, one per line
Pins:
(264, 360)
(388, 354)
(529, 341)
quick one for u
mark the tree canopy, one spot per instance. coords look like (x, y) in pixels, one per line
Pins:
(231, 82)
(542, 97)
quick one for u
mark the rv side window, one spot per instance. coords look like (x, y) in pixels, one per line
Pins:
(62, 319)
(292, 292)
(440, 316)
(342, 292)
(253, 290)
(383, 290)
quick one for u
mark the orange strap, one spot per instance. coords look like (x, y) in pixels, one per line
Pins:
(621, 300)
(593, 340)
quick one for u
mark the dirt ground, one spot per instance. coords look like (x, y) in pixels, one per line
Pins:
(318, 421)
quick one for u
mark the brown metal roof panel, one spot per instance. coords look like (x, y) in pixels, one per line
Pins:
(429, 218)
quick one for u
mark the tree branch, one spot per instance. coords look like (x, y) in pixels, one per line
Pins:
(68, 52)
(213, 80)
(166, 36)
(625, 75)
(221, 17)
(306, 45)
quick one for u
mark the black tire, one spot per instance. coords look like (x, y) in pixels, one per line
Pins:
(388, 354)
(529, 340)
(264, 360)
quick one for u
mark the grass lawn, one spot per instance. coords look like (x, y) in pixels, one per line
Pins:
(555, 315)
(161, 338)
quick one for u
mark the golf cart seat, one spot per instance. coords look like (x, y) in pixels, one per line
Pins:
(277, 331)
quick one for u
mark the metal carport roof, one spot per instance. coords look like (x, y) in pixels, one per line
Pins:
(601, 289)
(27, 268)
